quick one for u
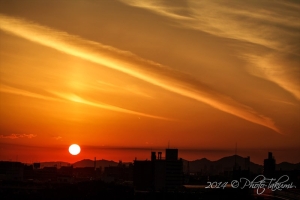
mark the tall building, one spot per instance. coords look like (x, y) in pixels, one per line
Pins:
(158, 173)
(269, 166)
(174, 169)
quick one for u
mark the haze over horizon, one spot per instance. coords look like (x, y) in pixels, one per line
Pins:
(121, 77)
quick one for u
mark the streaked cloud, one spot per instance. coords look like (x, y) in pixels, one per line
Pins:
(74, 98)
(283, 71)
(274, 25)
(17, 136)
(261, 23)
(130, 64)
(57, 137)
(166, 8)
(16, 91)
(126, 88)
(264, 22)
(78, 99)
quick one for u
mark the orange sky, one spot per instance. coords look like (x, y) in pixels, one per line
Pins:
(123, 77)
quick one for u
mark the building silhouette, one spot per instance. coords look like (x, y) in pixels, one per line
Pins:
(11, 171)
(240, 171)
(269, 166)
(159, 173)
(121, 172)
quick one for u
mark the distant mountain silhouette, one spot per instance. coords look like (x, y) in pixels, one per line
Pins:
(54, 164)
(201, 165)
(82, 163)
(90, 163)
(226, 163)
(285, 166)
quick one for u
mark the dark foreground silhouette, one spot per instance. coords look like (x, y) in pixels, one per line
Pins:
(100, 190)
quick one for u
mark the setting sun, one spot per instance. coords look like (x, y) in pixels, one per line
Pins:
(74, 149)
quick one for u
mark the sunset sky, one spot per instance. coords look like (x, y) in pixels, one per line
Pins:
(122, 77)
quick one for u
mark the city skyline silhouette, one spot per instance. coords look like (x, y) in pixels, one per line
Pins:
(162, 175)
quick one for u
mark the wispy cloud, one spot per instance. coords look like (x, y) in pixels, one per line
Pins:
(261, 24)
(74, 98)
(133, 65)
(16, 91)
(271, 24)
(169, 9)
(57, 137)
(264, 23)
(283, 71)
(127, 88)
(78, 99)
(17, 136)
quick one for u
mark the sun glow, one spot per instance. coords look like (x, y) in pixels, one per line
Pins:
(74, 149)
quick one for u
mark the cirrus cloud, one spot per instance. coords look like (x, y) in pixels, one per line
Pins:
(130, 64)
(17, 136)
